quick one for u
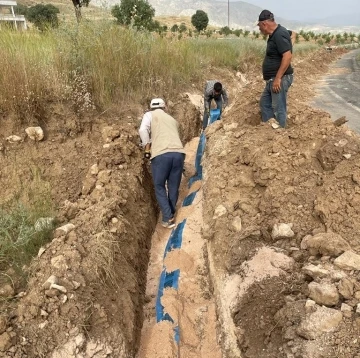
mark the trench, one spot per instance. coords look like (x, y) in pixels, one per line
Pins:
(180, 317)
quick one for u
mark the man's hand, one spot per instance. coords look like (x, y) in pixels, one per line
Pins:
(276, 86)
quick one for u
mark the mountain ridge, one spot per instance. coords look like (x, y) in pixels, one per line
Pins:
(240, 14)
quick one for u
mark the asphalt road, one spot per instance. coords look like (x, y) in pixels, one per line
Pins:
(338, 93)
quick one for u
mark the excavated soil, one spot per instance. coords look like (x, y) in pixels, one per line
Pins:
(279, 211)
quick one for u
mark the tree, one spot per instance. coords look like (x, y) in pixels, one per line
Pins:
(174, 28)
(77, 5)
(182, 28)
(43, 16)
(200, 20)
(225, 31)
(138, 13)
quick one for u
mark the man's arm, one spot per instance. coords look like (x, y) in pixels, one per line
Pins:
(145, 129)
(285, 63)
(225, 96)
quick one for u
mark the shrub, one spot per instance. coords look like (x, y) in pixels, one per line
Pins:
(43, 16)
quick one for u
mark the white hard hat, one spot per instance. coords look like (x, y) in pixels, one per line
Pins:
(157, 103)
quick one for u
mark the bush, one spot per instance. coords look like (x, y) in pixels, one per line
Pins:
(43, 16)
(21, 10)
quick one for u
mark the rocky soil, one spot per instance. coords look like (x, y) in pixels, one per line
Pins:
(280, 216)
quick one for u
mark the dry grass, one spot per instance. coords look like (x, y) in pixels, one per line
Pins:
(102, 258)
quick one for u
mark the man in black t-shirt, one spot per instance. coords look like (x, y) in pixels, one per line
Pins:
(277, 70)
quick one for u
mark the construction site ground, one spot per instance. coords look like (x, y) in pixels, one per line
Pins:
(269, 263)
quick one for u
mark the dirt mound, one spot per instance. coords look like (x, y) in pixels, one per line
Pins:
(285, 185)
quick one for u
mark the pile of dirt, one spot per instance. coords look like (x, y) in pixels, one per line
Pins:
(291, 190)
(270, 198)
(87, 287)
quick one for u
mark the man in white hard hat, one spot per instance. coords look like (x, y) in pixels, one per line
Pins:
(159, 133)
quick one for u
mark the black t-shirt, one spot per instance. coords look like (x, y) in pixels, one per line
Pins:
(278, 43)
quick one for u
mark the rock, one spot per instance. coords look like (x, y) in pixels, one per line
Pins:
(230, 127)
(346, 310)
(310, 306)
(44, 224)
(6, 291)
(340, 121)
(94, 170)
(282, 231)
(219, 211)
(348, 261)
(88, 185)
(315, 271)
(35, 133)
(325, 244)
(104, 177)
(50, 281)
(324, 293)
(59, 262)
(64, 230)
(236, 224)
(14, 139)
(58, 287)
(5, 342)
(109, 134)
(3, 324)
(41, 251)
(322, 320)
(346, 288)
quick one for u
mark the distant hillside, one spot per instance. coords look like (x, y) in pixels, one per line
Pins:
(341, 20)
(242, 14)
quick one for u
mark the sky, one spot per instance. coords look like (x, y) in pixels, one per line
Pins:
(308, 9)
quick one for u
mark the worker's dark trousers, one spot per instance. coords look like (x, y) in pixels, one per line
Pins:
(219, 103)
(167, 169)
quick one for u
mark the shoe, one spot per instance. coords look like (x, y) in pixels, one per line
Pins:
(168, 224)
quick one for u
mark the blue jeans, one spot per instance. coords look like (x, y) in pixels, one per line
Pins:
(167, 169)
(219, 103)
(273, 105)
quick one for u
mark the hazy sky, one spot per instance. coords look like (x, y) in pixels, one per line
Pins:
(308, 9)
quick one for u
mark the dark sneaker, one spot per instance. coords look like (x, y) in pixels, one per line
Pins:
(168, 224)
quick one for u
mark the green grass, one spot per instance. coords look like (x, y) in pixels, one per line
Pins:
(21, 231)
(19, 240)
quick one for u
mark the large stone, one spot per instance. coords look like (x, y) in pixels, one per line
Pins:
(282, 231)
(321, 321)
(64, 230)
(35, 133)
(348, 261)
(346, 288)
(219, 211)
(5, 342)
(6, 291)
(324, 293)
(329, 244)
(315, 271)
(236, 224)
